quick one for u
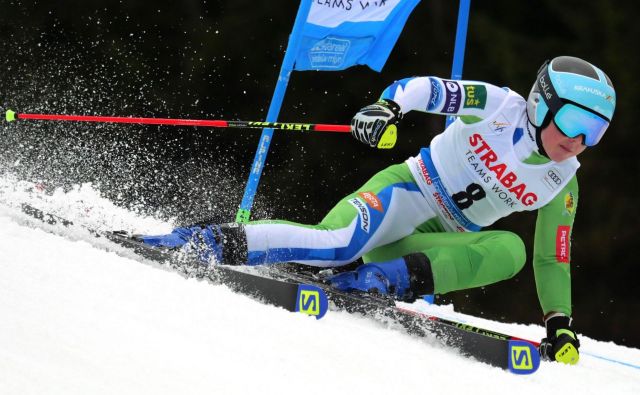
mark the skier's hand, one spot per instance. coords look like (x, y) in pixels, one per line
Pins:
(377, 124)
(561, 343)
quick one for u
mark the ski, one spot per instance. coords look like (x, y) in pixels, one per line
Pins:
(289, 294)
(516, 355)
(309, 294)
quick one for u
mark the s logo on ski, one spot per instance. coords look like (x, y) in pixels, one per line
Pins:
(523, 357)
(311, 300)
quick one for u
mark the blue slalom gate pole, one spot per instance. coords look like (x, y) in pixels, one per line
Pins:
(458, 62)
(244, 211)
(460, 44)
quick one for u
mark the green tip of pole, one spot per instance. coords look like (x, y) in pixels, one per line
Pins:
(11, 116)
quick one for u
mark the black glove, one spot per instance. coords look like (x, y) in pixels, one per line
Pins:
(561, 343)
(377, 124)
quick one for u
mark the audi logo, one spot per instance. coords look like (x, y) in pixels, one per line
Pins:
(554, 177)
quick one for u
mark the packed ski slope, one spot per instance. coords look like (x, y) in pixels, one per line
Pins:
(80, 317)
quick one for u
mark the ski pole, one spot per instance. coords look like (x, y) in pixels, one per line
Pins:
(12, 116)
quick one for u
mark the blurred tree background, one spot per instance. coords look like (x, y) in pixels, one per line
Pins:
(220, 60)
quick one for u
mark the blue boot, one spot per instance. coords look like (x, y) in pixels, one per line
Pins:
(387, 278)
(404, 278)
(204, 241)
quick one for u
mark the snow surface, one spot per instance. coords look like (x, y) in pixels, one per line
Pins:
(78, 317)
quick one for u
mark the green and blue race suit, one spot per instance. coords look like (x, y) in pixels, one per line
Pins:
(483, 167)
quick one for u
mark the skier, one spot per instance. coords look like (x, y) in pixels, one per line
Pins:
(417, 225)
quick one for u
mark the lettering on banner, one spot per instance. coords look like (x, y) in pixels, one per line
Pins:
(378, 3)
(347, 5)
(331, 13)
(341, 4)
(329, 53)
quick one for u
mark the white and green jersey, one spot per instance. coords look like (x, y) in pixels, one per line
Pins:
(486, 165)
(475, 171)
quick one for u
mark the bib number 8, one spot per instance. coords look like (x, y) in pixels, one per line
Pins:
(464, 199)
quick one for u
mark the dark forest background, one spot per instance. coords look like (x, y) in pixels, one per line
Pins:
(220, 60)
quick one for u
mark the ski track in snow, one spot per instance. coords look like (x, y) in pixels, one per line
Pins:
(78, 318)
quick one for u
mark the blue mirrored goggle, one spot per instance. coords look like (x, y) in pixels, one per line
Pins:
(574, 121)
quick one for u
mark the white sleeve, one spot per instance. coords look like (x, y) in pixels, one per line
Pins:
(447, 97)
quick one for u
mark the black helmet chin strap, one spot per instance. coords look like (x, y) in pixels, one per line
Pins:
(539, 143)
(538, 137)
